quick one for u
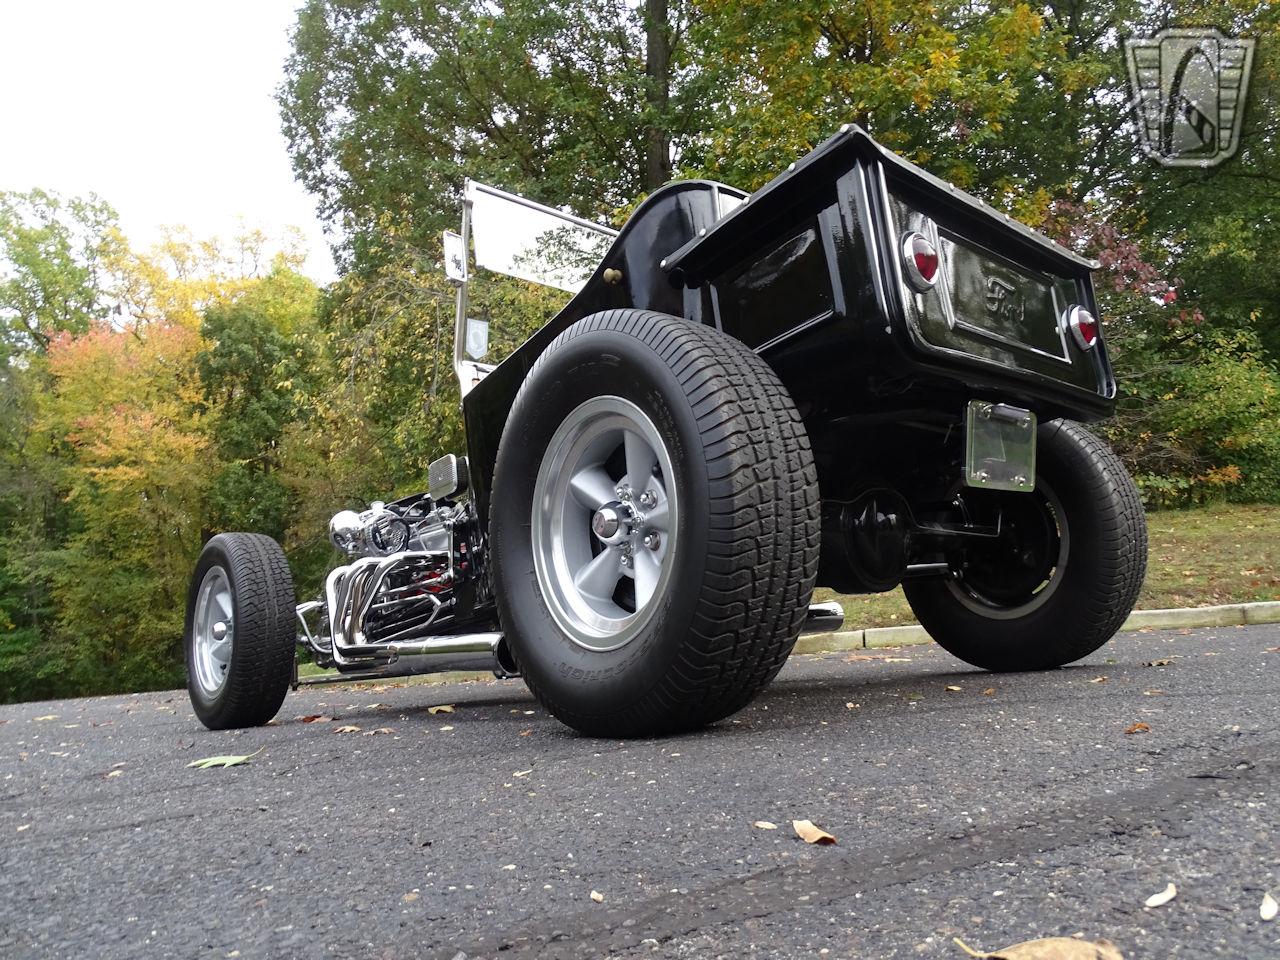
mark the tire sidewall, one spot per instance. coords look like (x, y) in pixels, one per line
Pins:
(214, 555)
(1038, 639)
(600, 362)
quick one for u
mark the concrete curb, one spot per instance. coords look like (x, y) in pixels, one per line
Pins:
(1225, 615)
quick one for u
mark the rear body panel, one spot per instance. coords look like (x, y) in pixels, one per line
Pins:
(808, 272)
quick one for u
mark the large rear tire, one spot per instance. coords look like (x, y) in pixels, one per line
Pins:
(240, 631)
(653, 527)
(1066, 573)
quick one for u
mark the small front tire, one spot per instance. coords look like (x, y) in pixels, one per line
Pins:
(240, 631)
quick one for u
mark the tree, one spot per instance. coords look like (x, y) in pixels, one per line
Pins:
(388, 105)
(251, 373)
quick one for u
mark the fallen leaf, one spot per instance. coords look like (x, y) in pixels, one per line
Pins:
(445, 729)
(1269, 907)
(206, 763)
(597, 896)
(374, 733)
(1051, 948)
(316, 718)
(1163, 662)
(1098, 680)
(1138, 727)
(953, 689)
(347, 728)
(989, 692)
(765, 825)
(409, 897)
(526, 732)
(442, 708)
(809, 833)
(23, 826)
(522, 773)
(116, 773)
(852, 706)
(47, 716)
(1153, 692)
(1161, 898)
(1272, 650)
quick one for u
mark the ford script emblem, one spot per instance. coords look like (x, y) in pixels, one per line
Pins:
(1004, 302)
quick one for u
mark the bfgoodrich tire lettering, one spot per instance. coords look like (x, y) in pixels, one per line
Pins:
(744, 563)
(1100, 571)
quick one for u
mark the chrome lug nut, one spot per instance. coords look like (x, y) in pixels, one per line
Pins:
(652, 540)
(648, 499)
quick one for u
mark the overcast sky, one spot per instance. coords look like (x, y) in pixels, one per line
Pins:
(164, 108)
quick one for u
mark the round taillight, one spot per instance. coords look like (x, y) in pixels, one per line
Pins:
(920, 258)
(1084, 327)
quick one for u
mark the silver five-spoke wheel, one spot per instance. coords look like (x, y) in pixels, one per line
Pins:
(604, 522)
(213, 631)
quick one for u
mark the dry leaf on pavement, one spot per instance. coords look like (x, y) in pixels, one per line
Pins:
(316, 718)
(1138, 727)
(347, 728)
(442, 708)
(952, 689)
(989, 692)
(597, 896)
(1098, 680)
(1163, 662)
(1161, 898)
(809, 833)
(374, 733)
(1051, 948)
(1269, 907)
(207, 763)
(765, 825)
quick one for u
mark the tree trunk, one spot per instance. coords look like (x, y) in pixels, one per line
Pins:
(657, 168)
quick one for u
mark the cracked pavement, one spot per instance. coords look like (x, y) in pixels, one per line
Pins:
(1014, 807)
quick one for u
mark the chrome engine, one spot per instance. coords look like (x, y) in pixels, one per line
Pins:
(389, 611)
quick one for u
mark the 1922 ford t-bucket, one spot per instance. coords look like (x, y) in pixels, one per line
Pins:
(857, 377)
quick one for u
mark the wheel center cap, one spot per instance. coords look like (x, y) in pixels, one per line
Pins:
(609, 523)
(219, 630)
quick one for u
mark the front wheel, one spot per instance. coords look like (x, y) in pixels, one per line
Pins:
(240, 632)
(1062, 577)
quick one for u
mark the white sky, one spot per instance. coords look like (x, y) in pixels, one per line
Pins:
(164, 108)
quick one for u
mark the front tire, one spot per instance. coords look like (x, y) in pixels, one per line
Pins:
(240, 631)
(653, 525)
(1064, 577)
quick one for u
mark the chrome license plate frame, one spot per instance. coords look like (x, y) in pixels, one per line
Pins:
(1000, 447)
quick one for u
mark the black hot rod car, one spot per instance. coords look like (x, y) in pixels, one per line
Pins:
(857, 377)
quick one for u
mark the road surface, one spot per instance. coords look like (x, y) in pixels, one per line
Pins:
(1013, 807)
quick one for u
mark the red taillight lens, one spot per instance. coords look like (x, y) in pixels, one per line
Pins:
(920, 258)
(1084, 327)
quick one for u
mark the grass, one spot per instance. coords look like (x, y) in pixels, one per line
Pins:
(1197, 558)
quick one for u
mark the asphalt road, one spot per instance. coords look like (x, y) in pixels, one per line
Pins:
(1012, 808)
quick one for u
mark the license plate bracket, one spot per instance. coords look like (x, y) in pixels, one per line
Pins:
(1000, 447)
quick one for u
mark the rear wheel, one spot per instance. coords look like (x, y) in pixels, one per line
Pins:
(240, 631)
(1063, 575)
(654, 525)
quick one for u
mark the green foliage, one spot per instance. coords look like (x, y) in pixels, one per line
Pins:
(388, 105)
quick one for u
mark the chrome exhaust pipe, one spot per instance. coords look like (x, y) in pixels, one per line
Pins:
(822, 618)
(468, 652)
